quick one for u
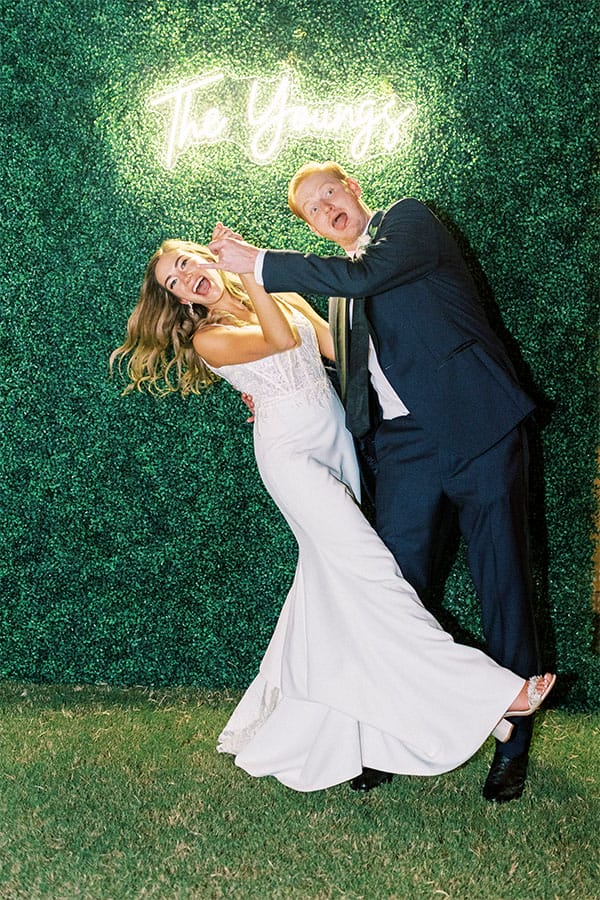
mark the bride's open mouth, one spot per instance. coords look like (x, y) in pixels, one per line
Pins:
(202, 286)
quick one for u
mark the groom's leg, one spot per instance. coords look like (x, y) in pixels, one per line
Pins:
(491, 494)
(408, 497)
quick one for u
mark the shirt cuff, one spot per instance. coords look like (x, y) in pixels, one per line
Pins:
(258, 267)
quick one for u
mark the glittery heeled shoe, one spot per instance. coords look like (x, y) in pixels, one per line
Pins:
(535, 697)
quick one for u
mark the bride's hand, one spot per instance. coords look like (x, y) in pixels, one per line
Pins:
(222, 231)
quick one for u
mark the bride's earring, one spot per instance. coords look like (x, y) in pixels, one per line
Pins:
(190, 307)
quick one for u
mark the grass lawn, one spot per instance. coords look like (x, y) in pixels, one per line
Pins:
(115, 793)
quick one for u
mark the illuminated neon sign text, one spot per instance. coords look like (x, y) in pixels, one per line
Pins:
(263, 115)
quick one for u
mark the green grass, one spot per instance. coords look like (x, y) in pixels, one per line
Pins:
(118, 793)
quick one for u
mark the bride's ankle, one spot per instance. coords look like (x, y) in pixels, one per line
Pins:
(520, 702)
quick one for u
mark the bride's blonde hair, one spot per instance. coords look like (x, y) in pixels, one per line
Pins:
(160, 329)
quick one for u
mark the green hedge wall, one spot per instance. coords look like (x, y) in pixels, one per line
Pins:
(138, 544)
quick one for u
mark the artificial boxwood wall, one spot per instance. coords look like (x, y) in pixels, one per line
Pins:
(138, 544)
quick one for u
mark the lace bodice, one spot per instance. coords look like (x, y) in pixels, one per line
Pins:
(295, 375)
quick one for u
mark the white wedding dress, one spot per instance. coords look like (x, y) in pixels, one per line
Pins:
(357, 672)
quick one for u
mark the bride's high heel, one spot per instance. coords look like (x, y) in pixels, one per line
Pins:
(503, 729)
(535, 698)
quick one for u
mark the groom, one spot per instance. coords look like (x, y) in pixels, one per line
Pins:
(410, 331)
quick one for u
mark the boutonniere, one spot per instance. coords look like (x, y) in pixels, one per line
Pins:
(362, 244)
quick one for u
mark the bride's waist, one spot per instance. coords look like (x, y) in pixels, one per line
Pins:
(318, 391)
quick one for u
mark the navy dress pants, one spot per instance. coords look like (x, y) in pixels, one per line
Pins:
(415, 480)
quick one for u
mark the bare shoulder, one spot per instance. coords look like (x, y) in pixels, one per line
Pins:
(209, 336)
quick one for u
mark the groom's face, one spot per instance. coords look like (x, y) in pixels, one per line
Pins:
(333, 209)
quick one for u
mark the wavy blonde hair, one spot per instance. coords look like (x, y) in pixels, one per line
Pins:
(162, 359)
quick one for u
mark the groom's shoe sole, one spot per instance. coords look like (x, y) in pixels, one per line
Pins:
(369, 779)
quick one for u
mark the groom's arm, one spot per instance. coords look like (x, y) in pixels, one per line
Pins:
(407, 247)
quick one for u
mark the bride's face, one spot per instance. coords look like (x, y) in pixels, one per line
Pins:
(187, 277)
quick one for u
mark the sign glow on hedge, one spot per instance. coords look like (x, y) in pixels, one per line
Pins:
(262, 115)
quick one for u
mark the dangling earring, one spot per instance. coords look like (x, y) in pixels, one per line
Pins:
(190, 307)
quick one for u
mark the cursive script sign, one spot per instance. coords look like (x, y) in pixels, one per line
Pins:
(262, 115)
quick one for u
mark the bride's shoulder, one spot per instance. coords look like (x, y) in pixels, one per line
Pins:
(209, 334)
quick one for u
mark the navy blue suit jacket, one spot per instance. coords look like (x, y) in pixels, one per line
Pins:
(433, 340)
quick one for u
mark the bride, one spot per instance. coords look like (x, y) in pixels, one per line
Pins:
(357, 675)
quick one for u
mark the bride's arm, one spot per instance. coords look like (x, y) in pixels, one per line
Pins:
(320, 325)
(257, 291)
(223, 345)
(277, 329)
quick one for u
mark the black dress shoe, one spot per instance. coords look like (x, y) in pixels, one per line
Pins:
(369, 779)
(506, 778)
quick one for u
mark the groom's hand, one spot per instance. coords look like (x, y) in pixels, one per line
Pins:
(248, 400)
(221, 231)
(234, 255)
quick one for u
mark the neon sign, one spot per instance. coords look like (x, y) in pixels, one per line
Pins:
(263, 115)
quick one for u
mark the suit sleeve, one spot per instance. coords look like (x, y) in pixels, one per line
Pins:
(407, 247)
